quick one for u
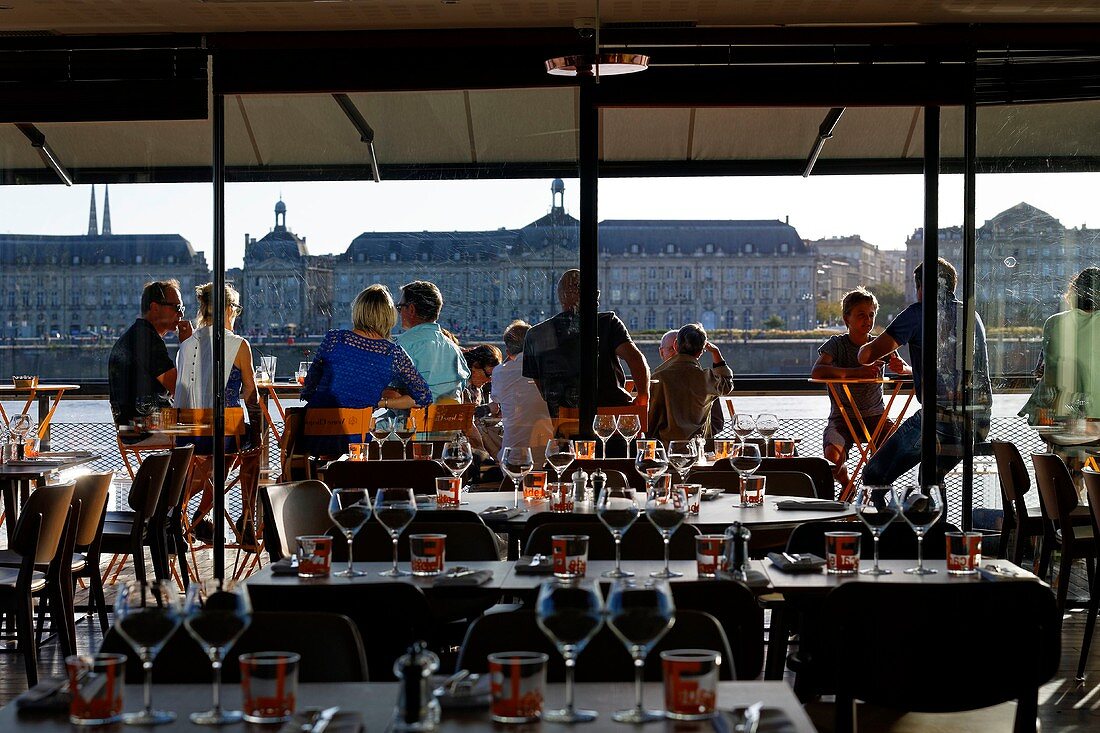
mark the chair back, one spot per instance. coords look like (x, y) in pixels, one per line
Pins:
(1056, 489)
(294, 509)
(444, 418)
(147, 485)
(622, 466)
(91, 490)
(641, 542)
(818, 469)
(201, 420)
(331, 421)
(42, 522)
(171, 495)
(639, 411)
(289, 460)
(1092, 490)
(735, 607)
(896, 543)
(466, 542)
(420, 476)
(1015, 483)
(779, 483)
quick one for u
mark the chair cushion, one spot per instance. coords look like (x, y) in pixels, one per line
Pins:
(79, 562)
(885, 720)
(8, 577)
(1083, 544)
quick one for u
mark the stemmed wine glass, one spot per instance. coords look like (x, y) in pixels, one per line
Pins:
(651, 464)
(516, 462)
(349, 509)
(19, 426)
(921, 509)
(743, 426)
(146, 614)
(216, 614)
(559, 454)
(381, 428)
(682, 455)
(405, 429)
(639, 616)
(617, 509)
(457, 455)
(628, 426)
(604, 426)
(666, 509)
(877, 506)
(395, 508)
(570, 614)
(767, 424)
(745, 459)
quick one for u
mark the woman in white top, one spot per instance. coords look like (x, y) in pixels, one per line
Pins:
(195, 374)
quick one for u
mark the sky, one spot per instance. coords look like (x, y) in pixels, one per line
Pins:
(883, 209)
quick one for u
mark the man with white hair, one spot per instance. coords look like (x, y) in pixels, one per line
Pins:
(684, 391)
(667, 349)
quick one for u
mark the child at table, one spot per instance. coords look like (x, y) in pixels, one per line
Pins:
(837, 359)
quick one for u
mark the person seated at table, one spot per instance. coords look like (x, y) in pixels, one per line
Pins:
(680, 402)
(516, 400)
(438, 358)
(195, 369)
(667, 348)
(140, 373)
(352, 368)
(838, 359)
(481, 361)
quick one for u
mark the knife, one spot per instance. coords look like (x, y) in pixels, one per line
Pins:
(324, 719)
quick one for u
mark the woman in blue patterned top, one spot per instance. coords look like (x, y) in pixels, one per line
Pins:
(352, 368)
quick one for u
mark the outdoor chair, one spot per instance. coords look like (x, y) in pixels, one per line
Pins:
(293, 466)
(818, 469)
(641, 542)
(898, 542)
(92, 490)
(779, 483)
(466, 542)
(1059, 496)
(1092, 488)
(735, 607)
(420, 476)
(291, 510)
(127, 538)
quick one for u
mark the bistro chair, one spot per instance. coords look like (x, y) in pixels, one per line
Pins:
(127, 538)
(291, 510)
(622, 466)
(466, 542)
(1017, 522)
(898, 541)
(420, 476)
(92, 490)
(780, 483)
(735, 607)
(293, 466)
(1059, 496)
(818, 469)
(641, 542)
(1092, 488)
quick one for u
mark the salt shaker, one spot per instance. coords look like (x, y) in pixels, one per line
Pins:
(580, 485)
(416, 709)
(737, 551)
(599, 481)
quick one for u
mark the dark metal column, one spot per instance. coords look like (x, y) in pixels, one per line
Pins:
(970, 147)
(928, 287)
(219, 336)
(589, 248)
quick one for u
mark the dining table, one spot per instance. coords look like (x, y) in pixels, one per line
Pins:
(46, 409)
(18, 477)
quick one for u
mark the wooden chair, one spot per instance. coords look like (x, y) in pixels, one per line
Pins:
(641, 542)
(444, 418)
(135, 452)
(779, 483)
(127, 538)
(1059, 497)
(420, 476)
(291, 510)
(735, 607)
(1015, 484)
(818, 469)
(466, 542)
(1092, 488)
(92, 490)
(293, 466)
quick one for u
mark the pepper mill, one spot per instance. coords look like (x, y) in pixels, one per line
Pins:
(737, 551)
(599, 482)
(416, 708)
(580, 485)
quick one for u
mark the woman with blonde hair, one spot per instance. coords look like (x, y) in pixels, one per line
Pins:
(352, 368)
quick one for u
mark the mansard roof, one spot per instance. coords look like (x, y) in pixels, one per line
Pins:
(730, 236)
(280, 243)
(42, 249)
(434, 245)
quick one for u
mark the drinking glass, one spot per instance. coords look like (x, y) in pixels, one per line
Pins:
(381, 428)
(349, 509)
(877, 506)
(650, 465)
(617, 509)
(628, 426)
(745, 459)
(19, 426)
(639, 616)
(404, 428)
(570, 614)
(682, 455)
(920, 508)
(394, 508)
(767, 424)
(146, 614)
(666, 509)
(303, 370)
(604, 427)
(743, 426)
(457, 456)
(216, 614)
(516, 462)
(559, 454)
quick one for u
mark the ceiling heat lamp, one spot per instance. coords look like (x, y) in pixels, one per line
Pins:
(598, 63)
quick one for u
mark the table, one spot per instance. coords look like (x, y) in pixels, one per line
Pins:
(872, 438)
(57, 390)
(375, 701)
(19, 478)
(1059, 437)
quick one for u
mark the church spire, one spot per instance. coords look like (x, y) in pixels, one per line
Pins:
(106, 211)
(93, 224)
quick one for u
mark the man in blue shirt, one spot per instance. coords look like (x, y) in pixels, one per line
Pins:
(438, 358)
(957, 388)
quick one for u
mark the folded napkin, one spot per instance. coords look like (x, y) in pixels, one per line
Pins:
(499, 513)
(286, 566)
(753, 578)
(772, 720)
(463, 578)
(804, 563)
(51, 694)
(345, 721)
(535, 565)
(818, 505)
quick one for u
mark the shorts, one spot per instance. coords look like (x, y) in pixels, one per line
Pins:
(837, 433)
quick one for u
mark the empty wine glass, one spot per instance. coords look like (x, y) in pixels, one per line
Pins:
(457, 455)
(516, 462)
(877, 506)
(349, 510)
(745, 459)
(146, 614)
(767, 424)
(19, 426)
(628, 426)
(666, 509)
(395, 509)
(380, 429)
(920, 508)
(651, 464)
(560, 454)
(743, 425)
(604, 427)
(618, 509)
(216, 614)
(405, 430)
(639, 616)
(682, 455)
(570, 614)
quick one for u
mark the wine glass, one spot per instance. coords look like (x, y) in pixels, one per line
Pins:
(19, 426)
(380, 429)
(394, 508)
(146, 614)
(604, 427)
(651, 464)
(405, 428)
(300, 375)
(457, 455)
(559, 454)
(682, 455)
(743, 426)
(628, 426)
(639, 616)
(617, 509)
(349, 509)
(516, 462)
(666, 509)
(570, 614)
(767, 424)
(745, 459)
(920, 508)
(216, 614)
(877, 506)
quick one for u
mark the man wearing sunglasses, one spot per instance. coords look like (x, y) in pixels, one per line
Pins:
(141, 375)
